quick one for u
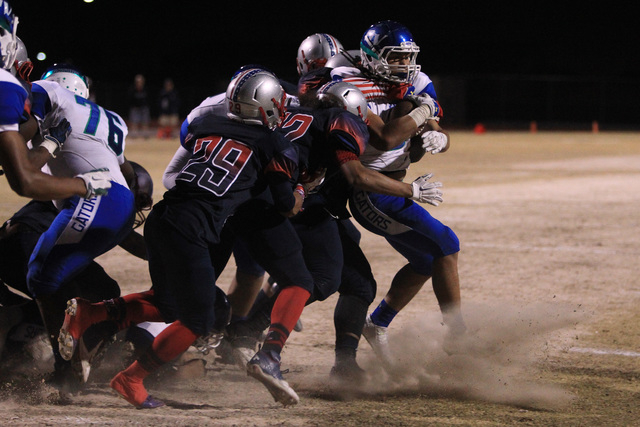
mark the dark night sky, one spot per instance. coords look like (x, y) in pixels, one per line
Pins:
(203, 42)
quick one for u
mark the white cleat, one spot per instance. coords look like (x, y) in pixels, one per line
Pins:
(378, 339)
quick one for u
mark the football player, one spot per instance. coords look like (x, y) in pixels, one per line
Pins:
(22, 171)
(389, 76)
(86, 226)
(231, 161)
(328, 137)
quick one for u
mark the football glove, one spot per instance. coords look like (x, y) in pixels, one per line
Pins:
(433, 141)
(425, 191)
(55, 136)
(97, 181)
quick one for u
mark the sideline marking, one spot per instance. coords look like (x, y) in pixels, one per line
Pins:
(600, 351)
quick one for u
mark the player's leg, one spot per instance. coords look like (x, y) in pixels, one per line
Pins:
(84, 229)
(183, 278)
(247, 281)
(357, 290)
(274, 244)
(425, 242)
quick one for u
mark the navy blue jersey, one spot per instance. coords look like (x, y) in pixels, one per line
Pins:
(326, 138)
(230, 164)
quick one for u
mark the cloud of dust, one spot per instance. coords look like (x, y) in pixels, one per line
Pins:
(496, 361)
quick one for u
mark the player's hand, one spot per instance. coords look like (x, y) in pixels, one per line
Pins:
(56, 136)
(97, 181)
(433, 141)
(425, 191)
(311, 182)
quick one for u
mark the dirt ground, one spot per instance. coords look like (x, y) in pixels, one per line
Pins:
(549, 226)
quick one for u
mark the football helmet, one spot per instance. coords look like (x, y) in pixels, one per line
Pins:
(349, 95)
(315, 50)
(346, 58)
(383, 39)
(22, 65)
(254, 96)
(69, 77)
(142, 188)
(8, 38)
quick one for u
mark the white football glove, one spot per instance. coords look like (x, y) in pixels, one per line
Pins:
(98, 182)
(433, 141)
(425, 191)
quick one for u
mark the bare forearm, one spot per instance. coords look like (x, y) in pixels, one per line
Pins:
(369, 180)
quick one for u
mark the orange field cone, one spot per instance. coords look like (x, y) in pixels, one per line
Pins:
(594, 127)
(533, 126)
(479, 128)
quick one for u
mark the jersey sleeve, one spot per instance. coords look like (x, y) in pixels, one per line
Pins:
(12, 105)
(349, 136)
(42, 103)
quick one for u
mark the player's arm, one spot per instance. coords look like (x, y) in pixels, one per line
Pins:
(135, 245)
(175, 166)
(406, 119)
(366, 179)
(26, 179)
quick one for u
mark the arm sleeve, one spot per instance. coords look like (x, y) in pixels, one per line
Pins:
(282, 192)
(177, 163)
(41, 104)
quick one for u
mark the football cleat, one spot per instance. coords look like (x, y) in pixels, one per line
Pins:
(265, 367)
(377, 338)
(75, 323)
(133, 391)
(348, 371)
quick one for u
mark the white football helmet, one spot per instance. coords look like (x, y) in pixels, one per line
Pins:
(349, 95)
(315, 50)
(382, 39)
(22, 65)
(69, 77)
(8, 37)
(255, 96)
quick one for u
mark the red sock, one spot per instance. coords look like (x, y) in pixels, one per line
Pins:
(141, 309)
(171, 343)
(284, 315)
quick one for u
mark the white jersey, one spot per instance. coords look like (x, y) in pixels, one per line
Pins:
(398, 158)
(97, 138)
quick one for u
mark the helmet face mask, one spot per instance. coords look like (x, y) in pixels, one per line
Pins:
(69, 78)
(142, 188)
(254, 96)
(381, 44)
(348, 95)
(8, 37)
(315, 50)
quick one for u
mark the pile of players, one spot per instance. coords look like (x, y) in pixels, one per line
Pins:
(262, 174)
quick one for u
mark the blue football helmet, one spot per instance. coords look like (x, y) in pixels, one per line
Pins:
(383, 39)
(69, 77)
(8, 37)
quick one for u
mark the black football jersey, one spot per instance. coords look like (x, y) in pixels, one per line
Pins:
(231, 163)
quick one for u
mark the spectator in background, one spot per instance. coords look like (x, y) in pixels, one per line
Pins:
(169, 104)
(139, 114)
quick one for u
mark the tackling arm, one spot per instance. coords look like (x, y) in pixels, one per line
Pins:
(26, 179)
